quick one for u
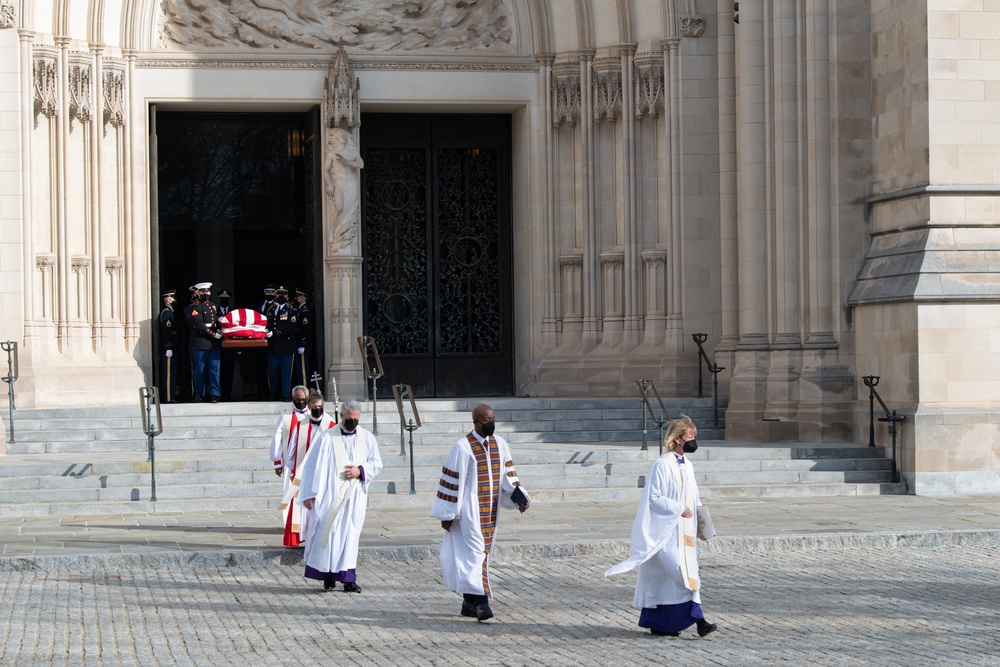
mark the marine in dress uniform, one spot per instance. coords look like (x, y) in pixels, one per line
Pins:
(306, 334)
(169, 338)
(281, 345)
(206, 345)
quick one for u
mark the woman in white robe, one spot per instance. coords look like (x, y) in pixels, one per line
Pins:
(667, 588)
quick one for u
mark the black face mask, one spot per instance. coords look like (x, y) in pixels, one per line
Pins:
(316, 413)
(488, 428)
(349, 425)
(690, 447)
(281, 299)
(224, 303)
(203, 298)
(299, 405)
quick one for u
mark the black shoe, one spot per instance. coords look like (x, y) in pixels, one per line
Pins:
(215, 399)
(351, 587)
(468, 610)
(197, 399)
(329, 585)
(661, 633)
(706, 628)
(483, 612)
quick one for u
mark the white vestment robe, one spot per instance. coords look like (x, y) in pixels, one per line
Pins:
(321, 477)
(658, 537)
(291, 431)
(474, 483)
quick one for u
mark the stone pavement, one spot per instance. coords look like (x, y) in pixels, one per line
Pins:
(54, 542)
(868, 580)
(908, 606)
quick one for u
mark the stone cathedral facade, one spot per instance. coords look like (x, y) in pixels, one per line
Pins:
(815, 186)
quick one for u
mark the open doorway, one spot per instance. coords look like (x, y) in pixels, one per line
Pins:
(238, 205)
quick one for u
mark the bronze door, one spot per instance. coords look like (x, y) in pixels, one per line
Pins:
(436, 246)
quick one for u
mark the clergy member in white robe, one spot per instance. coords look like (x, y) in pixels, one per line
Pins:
(478, 476)
(334, 488)
(667, 588)
(287, 458)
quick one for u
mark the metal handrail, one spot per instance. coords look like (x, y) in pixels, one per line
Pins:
(713, 368)
(890, 417)
(645, 386)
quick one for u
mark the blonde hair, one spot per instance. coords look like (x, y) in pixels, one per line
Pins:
(676, 428)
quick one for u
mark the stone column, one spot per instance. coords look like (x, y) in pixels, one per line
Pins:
(748, 383)
(728, 212)
(550, 261)
(633, 244)
(591, 277)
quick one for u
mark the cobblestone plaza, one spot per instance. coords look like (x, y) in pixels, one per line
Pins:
(876, 606)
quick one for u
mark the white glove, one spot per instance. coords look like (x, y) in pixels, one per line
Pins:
(301, 350)
(269, 334)
(170, 353)
(218, 336)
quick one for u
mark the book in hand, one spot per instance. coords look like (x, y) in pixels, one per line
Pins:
(519, 499)
(705, 527)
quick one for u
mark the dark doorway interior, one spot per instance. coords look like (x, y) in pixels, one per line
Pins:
(237, 207)
(437, 246)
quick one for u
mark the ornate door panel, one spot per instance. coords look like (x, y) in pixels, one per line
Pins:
(436, 247)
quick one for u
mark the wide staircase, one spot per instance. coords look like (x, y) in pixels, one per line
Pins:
(215, 457)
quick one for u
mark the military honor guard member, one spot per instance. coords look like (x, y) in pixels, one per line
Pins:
(281, 344)
(260, 357)
(169, 339)
(306, 334)
(206, 345)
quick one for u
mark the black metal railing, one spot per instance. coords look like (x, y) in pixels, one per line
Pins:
(890, 417)
(659, 418)
(713, 368)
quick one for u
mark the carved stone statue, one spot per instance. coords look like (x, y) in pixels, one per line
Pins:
(343, 186)
(441, 25)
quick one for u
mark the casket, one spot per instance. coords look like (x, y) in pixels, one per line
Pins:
(243, 324)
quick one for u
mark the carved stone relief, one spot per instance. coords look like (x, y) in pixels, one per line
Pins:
(114, 98)
(435, 25)
(79, 92)
(607, 93)
(648, 88)
(566, 99)
(692, 25)
(46, 82)
(343, 186)
(343, 101)
(8, 15)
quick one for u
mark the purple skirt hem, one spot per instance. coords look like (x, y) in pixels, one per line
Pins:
(671, 617)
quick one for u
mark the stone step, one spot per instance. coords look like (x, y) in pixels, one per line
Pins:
(248, 425)
(223, 481)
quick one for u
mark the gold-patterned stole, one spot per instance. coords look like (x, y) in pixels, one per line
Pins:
(488, 488)
(686, 527)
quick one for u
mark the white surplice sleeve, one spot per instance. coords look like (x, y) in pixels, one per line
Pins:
(277, 446)
(508, 477)
(451, 488)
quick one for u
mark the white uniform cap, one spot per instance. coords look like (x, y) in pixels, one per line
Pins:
(203, 286)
